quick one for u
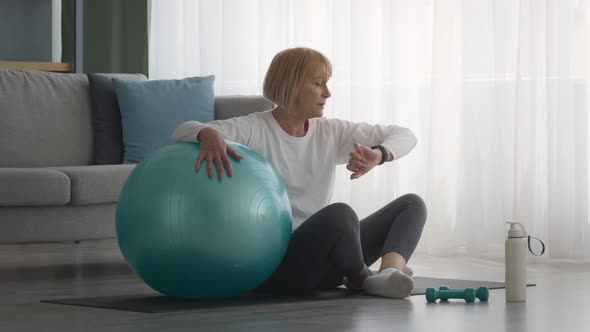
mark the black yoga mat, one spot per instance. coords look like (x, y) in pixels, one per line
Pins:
(156, 303)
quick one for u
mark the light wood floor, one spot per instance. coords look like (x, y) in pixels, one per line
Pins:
(30, 273)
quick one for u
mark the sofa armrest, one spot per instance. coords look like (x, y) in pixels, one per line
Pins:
(232, 106)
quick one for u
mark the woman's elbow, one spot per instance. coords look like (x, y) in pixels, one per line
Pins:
(411, 138)
(182, 132)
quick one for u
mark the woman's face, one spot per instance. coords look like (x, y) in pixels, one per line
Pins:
(313, 94)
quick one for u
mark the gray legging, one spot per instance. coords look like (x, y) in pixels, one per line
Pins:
(333, 243)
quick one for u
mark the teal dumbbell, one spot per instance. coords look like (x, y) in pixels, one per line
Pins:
(468, 294)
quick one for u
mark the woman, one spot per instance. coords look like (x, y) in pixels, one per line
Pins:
(328, 246)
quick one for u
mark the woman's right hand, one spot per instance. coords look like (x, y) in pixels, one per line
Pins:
(215, 150)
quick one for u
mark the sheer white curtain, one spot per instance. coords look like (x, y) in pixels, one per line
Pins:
(496, 91)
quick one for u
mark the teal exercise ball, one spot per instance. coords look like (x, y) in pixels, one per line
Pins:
(190, 236)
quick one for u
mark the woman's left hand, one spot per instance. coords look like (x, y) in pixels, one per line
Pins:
(362, 160)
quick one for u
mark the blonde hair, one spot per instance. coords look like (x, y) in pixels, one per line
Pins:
(287, 71)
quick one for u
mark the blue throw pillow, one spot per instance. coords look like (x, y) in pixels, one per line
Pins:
(151, 110)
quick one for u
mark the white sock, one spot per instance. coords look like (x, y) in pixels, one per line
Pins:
(390, 282)
(407, 270)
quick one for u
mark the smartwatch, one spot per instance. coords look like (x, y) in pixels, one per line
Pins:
(384, 153)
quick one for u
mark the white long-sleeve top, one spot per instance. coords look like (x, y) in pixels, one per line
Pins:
(307, 164)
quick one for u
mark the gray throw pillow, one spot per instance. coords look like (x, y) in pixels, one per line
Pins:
(106, 121)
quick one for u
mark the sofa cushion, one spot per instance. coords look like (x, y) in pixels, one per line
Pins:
(106, 118)
(33, 187)
(98, 184)
(46, 119)
(151, 110)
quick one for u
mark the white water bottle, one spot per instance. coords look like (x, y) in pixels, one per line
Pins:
(516, 252)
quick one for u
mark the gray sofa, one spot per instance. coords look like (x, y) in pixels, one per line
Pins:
(50, 190)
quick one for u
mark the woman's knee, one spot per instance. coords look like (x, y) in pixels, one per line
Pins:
(416, 202)
(341, 215)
